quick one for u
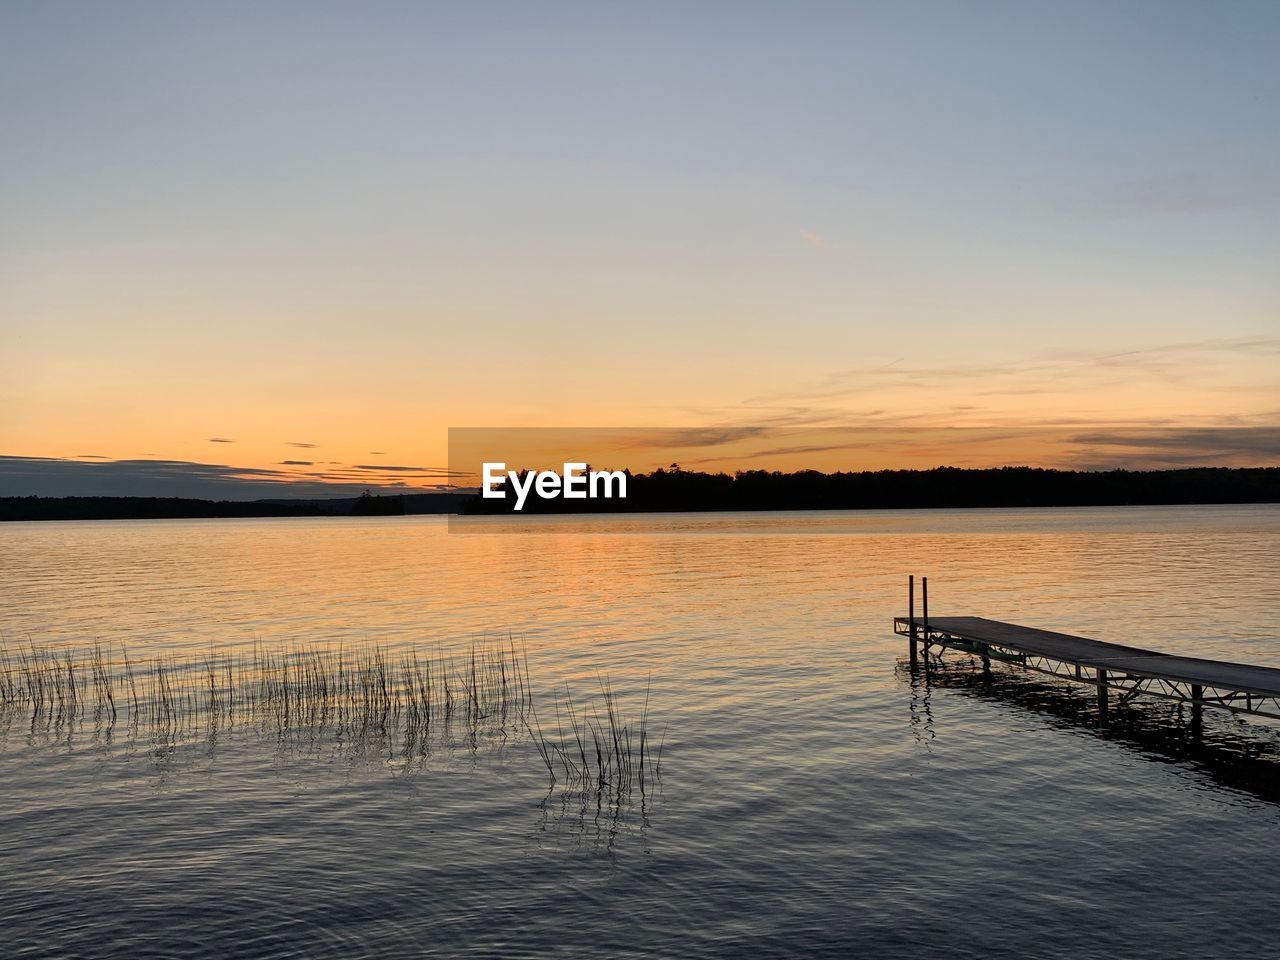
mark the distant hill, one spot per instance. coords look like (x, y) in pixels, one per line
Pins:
(161, 508)
(684, 490)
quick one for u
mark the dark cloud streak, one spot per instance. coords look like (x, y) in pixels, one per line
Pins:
(1185, 446)
(54, 477)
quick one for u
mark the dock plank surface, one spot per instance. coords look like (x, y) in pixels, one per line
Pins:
(1114, 657)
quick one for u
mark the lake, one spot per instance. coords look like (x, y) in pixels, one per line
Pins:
(813, 797)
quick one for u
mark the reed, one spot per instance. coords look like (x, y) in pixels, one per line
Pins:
(367, 699)
(285, 686)
(595, 747)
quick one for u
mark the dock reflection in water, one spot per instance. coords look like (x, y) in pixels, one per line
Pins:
(1235, 753)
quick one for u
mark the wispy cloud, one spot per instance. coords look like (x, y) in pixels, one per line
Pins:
(1054, 371)
(793, 451)
(814, 240)
(220, 440)
(1186, 193)
(303, 446)
(679, 437)
(1164, 356)
(1181, 446)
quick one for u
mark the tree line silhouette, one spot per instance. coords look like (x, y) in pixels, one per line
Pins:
(368, 504)
(675, 489)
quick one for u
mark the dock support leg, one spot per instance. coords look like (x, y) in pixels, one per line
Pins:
(1197, 701)
(911, 618)
(924, 600)
(1102, 690)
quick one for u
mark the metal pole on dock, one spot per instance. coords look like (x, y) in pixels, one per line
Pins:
(1102, 690)
(911, 615)
(924, 599)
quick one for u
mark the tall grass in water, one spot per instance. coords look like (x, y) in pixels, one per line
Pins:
(283, 687)
(368, 699)
(593, 747)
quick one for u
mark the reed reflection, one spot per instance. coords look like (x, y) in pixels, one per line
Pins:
(401, 710)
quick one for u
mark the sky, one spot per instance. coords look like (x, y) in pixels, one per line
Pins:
(252, 247)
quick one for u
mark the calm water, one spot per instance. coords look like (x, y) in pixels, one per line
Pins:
(814, 800)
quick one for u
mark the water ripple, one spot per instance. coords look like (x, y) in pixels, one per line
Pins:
(816, 800)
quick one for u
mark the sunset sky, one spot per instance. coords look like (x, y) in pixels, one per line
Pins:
(299, 241)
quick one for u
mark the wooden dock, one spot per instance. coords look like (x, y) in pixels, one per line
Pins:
(1130, 671)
